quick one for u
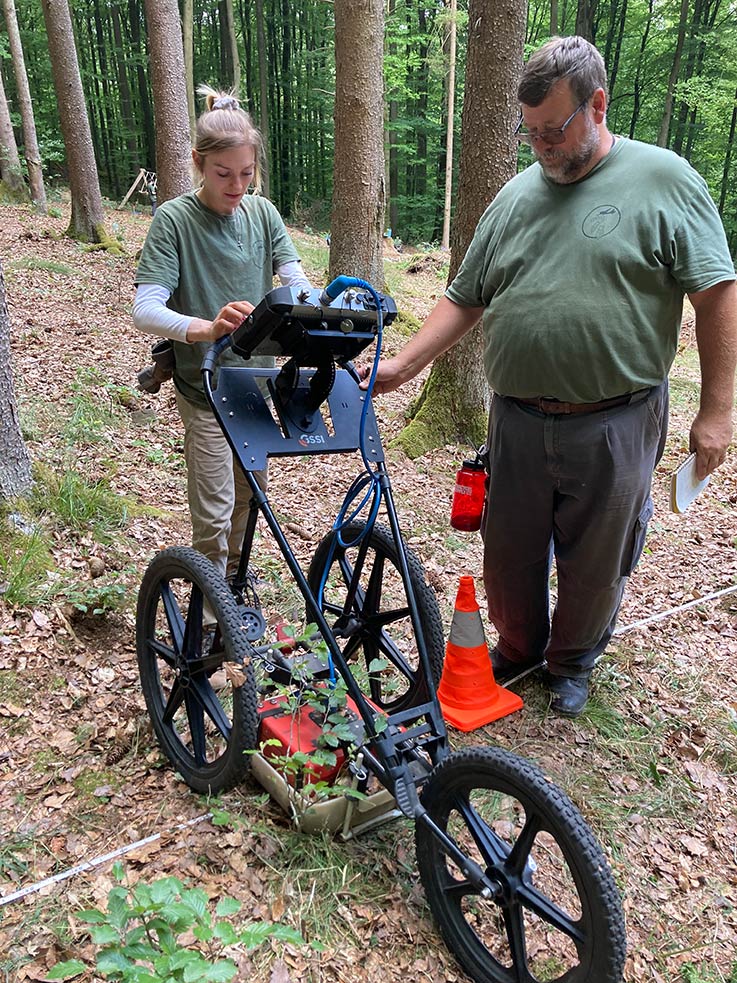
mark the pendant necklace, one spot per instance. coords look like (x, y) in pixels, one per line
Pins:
(236, 231)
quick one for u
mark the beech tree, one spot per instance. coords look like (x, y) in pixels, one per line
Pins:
(11, 174)
(454, 401)
(173, 146)
(15, 464)
(86, 222)
(356, 247)
(30, 141)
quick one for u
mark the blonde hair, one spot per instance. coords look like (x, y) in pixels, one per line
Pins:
(224, 125)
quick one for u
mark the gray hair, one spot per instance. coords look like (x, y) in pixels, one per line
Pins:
(224, 125)
(572, 58)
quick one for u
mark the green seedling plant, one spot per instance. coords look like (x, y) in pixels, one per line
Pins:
(339, 728)
(140, 936)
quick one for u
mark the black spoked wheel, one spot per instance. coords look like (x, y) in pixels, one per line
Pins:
(555, 912)
(372, 621)
(196, 672)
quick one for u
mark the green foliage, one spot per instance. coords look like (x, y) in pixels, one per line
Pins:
(327, 705)
(35, 263)
(24, 560)
(691, 973)
(79, 504)
(139, 937)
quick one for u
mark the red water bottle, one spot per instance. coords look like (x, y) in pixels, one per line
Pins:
(468, 497)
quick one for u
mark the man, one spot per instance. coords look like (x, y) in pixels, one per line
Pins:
(578, 269)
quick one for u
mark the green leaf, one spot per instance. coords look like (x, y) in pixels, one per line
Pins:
(67, 970)
(227, 906)
(221, 818)
(196, 900)
(165, 889)
(285, 933)
(93, 916)
(254, 935)
(378, 665)
(222, 971)
(140, 950)
(203, 932)
(226, 933)
(111, 961)
(118, 910)
(104, 935)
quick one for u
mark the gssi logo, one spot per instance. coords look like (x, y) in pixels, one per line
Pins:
(311, 438)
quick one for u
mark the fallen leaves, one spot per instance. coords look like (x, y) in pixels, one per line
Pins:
(81, 775)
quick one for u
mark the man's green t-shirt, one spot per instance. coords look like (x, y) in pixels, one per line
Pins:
(583, 284)
(207, 260)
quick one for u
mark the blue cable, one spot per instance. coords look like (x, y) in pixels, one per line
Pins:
(370, 478)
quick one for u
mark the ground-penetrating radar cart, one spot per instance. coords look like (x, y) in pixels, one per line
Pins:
(516, 880)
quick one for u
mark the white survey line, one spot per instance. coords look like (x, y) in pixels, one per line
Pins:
(671, 611)
(91, 864)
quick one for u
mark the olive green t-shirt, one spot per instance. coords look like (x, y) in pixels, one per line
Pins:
(583, 284)
(207, 260)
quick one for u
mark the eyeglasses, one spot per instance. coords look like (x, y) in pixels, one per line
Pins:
(556, 135)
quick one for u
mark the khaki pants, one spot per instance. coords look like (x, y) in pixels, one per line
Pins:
(217, 490)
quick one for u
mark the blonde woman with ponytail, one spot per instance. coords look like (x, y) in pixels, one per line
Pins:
(209, 258)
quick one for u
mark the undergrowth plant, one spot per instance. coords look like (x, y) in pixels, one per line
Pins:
(63, 502)
(339, 729)
(144, 935)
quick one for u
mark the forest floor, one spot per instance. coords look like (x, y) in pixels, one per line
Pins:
(652, 763)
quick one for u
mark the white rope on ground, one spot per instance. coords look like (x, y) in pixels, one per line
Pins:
(105, 858)
(95, 862)
(671, 611)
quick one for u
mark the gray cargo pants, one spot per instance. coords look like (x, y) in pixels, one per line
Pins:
(574, 487)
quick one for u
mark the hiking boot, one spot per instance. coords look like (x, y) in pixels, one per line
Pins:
(569, 694)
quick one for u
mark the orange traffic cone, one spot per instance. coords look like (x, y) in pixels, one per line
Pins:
(468, 693)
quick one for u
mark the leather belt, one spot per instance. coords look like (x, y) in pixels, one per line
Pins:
(555, 406)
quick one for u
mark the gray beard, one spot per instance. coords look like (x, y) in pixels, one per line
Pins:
(569, 167)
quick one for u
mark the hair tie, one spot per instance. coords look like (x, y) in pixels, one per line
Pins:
(225, 102)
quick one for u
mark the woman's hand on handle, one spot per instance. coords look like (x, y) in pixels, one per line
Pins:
(225, 322)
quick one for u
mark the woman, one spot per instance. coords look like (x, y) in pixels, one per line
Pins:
(203, 249)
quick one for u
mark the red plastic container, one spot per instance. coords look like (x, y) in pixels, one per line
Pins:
(298, 731)
(468, 497)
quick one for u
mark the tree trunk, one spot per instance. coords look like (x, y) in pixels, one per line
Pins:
(263, 88)
(86, 222)
(392, 139)
(30, 141)
(637, 88)
(173, 147)
(728, 159)
(187, 28)
(662, 140)
(455, 399)
(11, 174)
(358, 168)
(15, 464)
(553, 18)
(586, 19)
(450, 102)
(126, 101)
(135, 19)
(233, 42)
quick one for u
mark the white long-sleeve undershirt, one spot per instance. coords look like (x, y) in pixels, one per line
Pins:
(151, 315)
